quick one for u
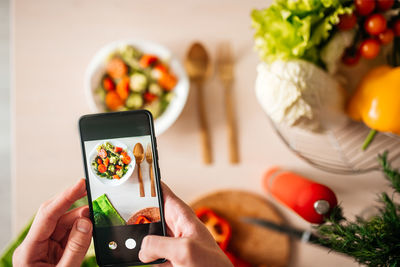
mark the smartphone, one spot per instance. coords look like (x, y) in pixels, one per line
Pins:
(123, 184)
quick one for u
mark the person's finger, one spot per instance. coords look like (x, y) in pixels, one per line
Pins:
(161, 247)
(78, 243)
(178, 214)
(66, 222)
(50, 212)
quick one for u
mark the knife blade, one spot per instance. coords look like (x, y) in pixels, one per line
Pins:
(305, 236)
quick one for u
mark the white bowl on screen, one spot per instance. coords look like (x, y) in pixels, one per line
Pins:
(112, 182)
(96, 69)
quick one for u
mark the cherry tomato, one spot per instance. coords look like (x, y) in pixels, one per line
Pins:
(375, 24)
(364, 7)
(370, 48)
(385, 4)
(118, 149)
(396, 27)
(347, 21)
(108, 84)
(386, 37)
(351, 57)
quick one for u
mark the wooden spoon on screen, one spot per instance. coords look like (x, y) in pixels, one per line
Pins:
(149, 159)
(138, 152)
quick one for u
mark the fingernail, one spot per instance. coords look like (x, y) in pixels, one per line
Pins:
(83, 226)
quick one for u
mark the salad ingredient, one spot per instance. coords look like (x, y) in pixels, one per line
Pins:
(364, 7)
(384, 5)
(133, 79)
(298, 93)
(108, 84)
(347, 21)
(386, 37)
(376, 101)
(142, 220)
(134, 101)
(105, 214)
(370, 48)
(217, 226)
(375, 24)
(113, 101)
(138, 82)
(149, 97)
(123, 88)
(296, 29)
(147, 60)
(111, 162)
(116, 68)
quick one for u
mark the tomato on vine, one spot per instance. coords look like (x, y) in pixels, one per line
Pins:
(375, 24)
(370, 48)
(364, 7)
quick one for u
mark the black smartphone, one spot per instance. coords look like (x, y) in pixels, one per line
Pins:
(123, 184)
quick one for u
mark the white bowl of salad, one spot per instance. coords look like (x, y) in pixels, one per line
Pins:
(137, 74)
(111, 162)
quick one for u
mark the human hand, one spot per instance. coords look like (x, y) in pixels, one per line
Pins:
(57, 237)
(190, 243)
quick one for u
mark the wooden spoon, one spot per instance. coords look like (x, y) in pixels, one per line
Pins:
(197, 64)
(138, 152)
(149, 159)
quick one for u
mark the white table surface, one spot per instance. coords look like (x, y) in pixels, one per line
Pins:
(53, 42)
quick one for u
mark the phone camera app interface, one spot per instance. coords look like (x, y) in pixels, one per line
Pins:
(124, 195)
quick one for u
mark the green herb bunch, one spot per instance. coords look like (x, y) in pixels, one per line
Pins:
(374, 241)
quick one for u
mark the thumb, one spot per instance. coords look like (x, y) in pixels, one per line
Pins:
(78, 243)
(158, 247)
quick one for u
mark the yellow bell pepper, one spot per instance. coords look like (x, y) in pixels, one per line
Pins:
(376, 101)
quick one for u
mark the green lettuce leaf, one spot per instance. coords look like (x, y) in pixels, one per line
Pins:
(296, 29)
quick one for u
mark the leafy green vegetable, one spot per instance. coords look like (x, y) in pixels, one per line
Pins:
(374, 241)
(105, 213)
(296, 29)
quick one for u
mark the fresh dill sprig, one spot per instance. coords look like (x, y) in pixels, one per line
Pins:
(374, 241)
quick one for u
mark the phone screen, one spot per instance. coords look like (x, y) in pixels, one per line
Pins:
(123, 182)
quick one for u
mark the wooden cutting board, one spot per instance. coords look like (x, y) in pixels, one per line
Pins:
(258, 246)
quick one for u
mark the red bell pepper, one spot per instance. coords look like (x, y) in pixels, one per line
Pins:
(218, 227)
(142, 220)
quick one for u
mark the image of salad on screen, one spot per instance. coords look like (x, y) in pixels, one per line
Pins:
(323, 63)
(122, 181)
(136, 80)
(111, 162)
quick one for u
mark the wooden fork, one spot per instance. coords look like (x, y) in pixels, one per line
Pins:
(225, 66)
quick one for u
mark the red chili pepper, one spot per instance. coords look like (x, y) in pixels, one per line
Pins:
(142, 220)
(218, 227)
